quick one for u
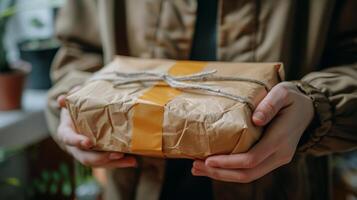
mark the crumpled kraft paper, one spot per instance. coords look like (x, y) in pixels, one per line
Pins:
(151, 118)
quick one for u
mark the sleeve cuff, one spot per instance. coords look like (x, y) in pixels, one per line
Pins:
(62, 87)
(322, 121)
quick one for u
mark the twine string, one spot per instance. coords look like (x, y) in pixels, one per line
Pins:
(186, 82)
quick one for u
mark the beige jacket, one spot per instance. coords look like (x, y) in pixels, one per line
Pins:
(316, 41)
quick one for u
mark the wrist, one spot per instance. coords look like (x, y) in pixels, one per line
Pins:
(322, 115)
(305, 90)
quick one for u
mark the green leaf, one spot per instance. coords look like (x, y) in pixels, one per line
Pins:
(37, 23)
(13, 181)
(39, 186)
(45, 176)
(8, 12)
(66, 189)
(63, 168)
(56, 176)
(53, 188)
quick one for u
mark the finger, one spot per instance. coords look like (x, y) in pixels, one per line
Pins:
(89, 158)
(71, 138)
(127, 161)
(273, 141)
(103, 159)
(115, 156)
(227, 175)
(67, 135)
(267, 145)
(276, 99)
(61, 101)
(199, 169)
(65, 117)
(240, 175)
(95, 158)
(218, 174)
(66, 120)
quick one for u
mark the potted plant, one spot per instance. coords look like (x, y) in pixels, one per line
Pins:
(12, 77)
(39, 53)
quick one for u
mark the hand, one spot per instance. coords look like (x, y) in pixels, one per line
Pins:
(288, 112)
(79, 145)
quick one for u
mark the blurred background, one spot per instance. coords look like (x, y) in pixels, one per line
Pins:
(32, 166)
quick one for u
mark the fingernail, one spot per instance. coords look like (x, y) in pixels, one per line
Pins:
(196, 172)
(86, 144)
(197, 165)
(115, 156)
(259, 116)
(61, 101)
(211, 163)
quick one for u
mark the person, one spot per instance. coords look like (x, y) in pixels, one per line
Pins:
(304, 121)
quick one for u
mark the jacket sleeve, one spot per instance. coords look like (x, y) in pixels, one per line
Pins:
(334, 92)
(79, 55)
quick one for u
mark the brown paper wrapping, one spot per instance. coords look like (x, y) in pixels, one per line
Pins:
(156, 120)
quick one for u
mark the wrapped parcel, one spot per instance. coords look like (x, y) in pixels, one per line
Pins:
(168, 108)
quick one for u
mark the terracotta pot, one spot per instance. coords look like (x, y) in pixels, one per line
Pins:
(11, 88)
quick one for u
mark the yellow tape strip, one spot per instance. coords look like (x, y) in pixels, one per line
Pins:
(148, 118)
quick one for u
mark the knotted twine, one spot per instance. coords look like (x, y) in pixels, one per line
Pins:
(184, 82)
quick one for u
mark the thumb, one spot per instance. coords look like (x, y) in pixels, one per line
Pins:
(61, 101)
(272, 103)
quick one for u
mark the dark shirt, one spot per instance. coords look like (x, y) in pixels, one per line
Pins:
(205, 36)
(179, 182)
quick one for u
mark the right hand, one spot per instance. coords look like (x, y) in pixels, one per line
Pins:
(79, 145)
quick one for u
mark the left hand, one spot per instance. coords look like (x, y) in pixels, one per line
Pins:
(288, 112)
